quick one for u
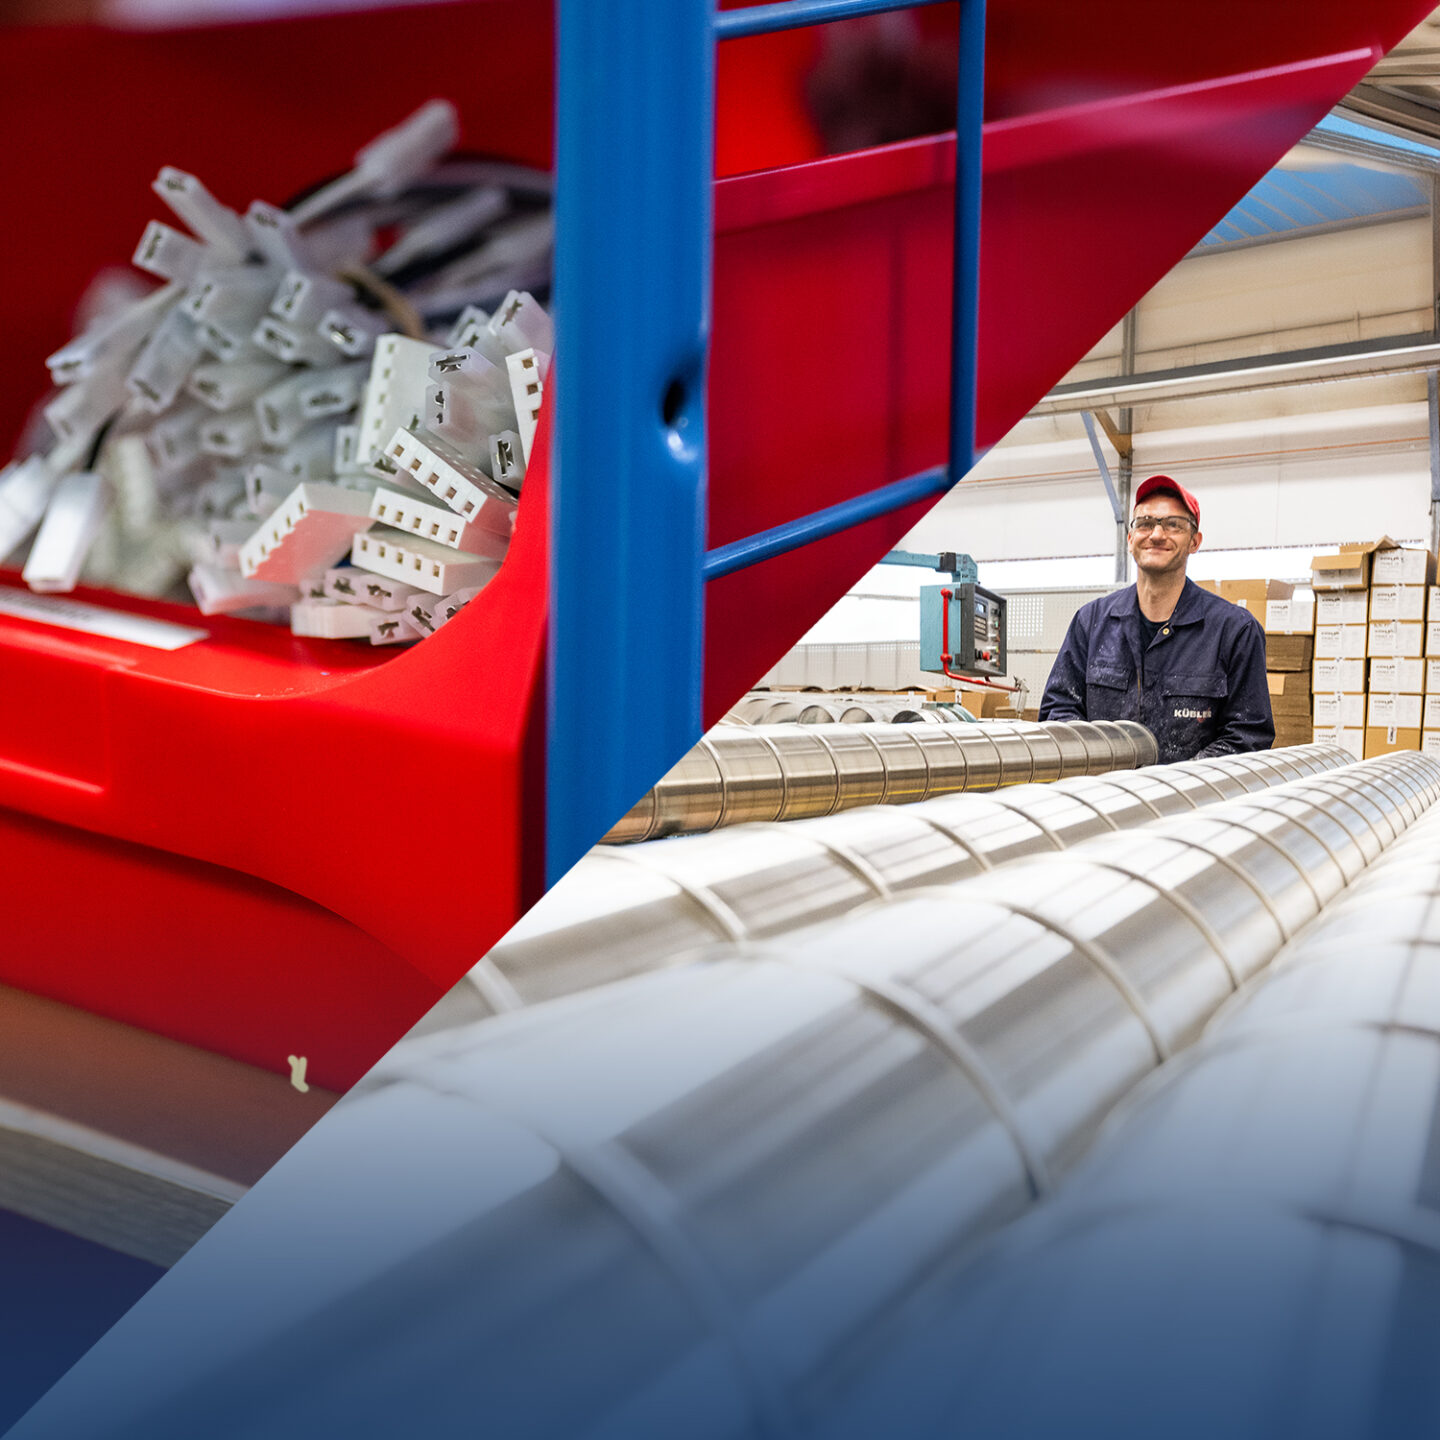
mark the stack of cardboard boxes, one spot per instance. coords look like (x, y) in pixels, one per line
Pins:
(1369, 680)
(1289, 623)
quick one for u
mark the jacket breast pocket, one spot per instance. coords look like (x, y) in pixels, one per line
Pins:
(1195, 698)
(1106, 690)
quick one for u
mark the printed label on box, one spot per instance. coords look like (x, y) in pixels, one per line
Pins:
(1342, 607)
(1395, 710)
(1395, 674)
(1337, 676)
(1396, 637)
(1340, 710)
(1397, 602)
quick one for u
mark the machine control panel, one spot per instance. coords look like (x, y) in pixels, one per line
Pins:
(967, 622)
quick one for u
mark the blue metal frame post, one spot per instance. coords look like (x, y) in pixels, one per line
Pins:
(965, 324)
(634, 156)
(634, 163)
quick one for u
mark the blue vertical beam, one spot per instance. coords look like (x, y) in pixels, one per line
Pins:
(965, 331)
(634, 159)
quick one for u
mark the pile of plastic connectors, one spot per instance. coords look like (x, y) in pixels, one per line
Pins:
(315, 416)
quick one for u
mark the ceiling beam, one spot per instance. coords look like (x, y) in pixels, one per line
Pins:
(1396, 355)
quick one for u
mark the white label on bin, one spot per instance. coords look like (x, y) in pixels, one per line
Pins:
(96, 620)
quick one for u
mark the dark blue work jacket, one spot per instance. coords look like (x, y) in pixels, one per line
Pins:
(1199, 687)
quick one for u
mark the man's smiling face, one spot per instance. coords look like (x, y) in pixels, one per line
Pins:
(1159, 551)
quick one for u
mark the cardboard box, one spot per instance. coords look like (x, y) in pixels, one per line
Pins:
(1394, 675)
(1396, 637)
(1397, 602)
(1288, 652)
(1385, 712)
(1337, 676)
(1287, 682)
(1386, 742)
(1347, 711)
(1432, 673)
(1349, 569)
(1289, 698)
(1431, 719)
(1349, 739)
(1295, 616)
(1293, 732)
(1338, 642)
(1430, 742)
(1432, 637)
(1343, 607)
(1253, 595)
(1393, 565)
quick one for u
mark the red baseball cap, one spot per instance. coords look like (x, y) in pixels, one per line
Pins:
(1162, 484)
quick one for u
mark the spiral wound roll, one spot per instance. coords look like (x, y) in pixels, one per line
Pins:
(1280, 1190)
(790, 772)
(731, 1190)
(626, 909)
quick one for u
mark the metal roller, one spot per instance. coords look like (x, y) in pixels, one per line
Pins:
(626, 909)
(717, 1197)
(787, 772)
(1280, 1191)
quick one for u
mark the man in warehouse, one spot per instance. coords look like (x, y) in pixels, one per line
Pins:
(1183, 662)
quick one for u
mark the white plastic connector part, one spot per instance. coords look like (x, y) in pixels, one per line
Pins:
(332, 391)
(294, 344)
(420, 563)
(325, 620)
(219, 543)
(230, 435)
(527, 384)
(265, 487)
(352, 329)
(362, 587)
(226, 386)
(25, 490)
(274, 234)
(216, 224)
(306, 533)
(173, 441)
(468, 400)
(164, 363)
(167, 253)
(449, 606)
(113, 340)
(232, 296)
(221, 591)
(79, 412)
(304, 297)
(346, 459)
(437, 523)
(419, 611)
(218, 496)
(394, 395)
(507, 459)
(467, 330)
(311, 455)
(454, 481)
(390, 162)
(302, 397)
(443, 228)
(521, 323)
(72, 521)
(393, 629)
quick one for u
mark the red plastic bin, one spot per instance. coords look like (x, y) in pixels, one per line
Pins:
(268, 846)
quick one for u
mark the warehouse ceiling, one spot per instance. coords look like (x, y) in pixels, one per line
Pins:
(1404, 88)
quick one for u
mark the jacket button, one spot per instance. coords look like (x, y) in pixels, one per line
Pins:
(1165, 631)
